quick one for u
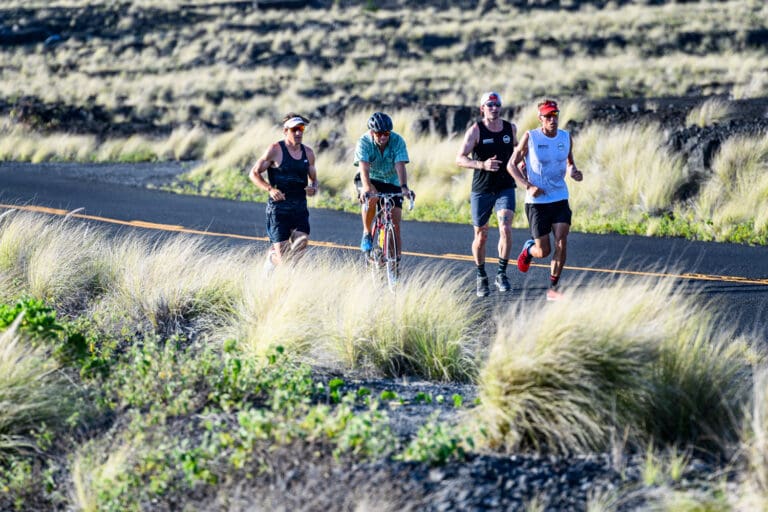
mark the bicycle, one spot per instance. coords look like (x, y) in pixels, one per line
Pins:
(383, 254)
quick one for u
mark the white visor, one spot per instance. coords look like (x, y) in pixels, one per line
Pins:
(293, 122)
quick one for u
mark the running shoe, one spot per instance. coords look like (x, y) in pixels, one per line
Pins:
(366, 244)
(554, 295)
(482, 287)
(269, 265)
(502, 283)
(524, 260)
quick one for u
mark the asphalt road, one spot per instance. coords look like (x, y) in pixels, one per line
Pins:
(733, 277)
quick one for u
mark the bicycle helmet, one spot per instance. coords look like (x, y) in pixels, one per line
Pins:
(380, 122)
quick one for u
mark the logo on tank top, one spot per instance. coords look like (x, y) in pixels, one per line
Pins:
(506, 139)
(561, 146)
(487, 141)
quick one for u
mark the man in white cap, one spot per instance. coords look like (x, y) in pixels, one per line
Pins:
(291, 173)
(487, 146)
(548, 156)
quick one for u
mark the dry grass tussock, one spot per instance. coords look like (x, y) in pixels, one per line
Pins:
(95, 469)
(735, 193)
(32, 392)
(57, 262)
(628, 171)
(639, 358)
(322, 309)
(331, 313)
(177, 284)
(754, 491)
(708, 112)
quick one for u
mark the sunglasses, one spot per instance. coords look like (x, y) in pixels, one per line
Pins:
(552, 115)
(300, 128)
(493, 104)
(381, 134)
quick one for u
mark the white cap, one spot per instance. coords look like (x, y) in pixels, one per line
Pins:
(490, 96)
(294, 121)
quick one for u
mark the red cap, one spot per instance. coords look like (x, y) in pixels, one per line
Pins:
(548, 107)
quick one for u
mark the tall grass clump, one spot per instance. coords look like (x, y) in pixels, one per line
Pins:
(628, 172)
(709, 112)
(33, 392)
(175, 285)
(186, 144)
(732, 201)
(56, 261)
(754, 485)
(19, 235)
(66, 268)
(333, 313)
(636, 357)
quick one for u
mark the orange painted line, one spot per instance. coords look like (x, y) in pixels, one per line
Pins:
(331, 245)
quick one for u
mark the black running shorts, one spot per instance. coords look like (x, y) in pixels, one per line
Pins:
(541, 217)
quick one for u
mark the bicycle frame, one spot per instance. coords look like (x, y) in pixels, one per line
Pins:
(384, 251)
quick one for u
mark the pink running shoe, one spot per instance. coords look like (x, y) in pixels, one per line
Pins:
(554, 295)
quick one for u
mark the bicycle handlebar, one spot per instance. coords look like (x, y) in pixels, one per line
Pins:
(387, 195)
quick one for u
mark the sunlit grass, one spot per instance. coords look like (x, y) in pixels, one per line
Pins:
(194, 319)
(33, 393)
(657, 367)
(56, 262)
(342, 317)
(627, 170)
(173, 285)
(709, 112)
(735, 192)
(754, 485)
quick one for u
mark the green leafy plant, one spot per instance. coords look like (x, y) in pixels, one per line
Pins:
(436, 444)
(38, 320)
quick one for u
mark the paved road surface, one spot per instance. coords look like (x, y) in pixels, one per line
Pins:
(735, 277)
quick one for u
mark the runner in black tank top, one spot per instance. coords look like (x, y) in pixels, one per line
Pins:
(486, 152)
(291, 180)
(290, 177)
(491, 143)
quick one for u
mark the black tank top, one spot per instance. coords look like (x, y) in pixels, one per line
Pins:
(291, 177)
(501, 144)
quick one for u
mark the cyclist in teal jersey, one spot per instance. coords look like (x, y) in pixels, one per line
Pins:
(290, 167)
(381, 155)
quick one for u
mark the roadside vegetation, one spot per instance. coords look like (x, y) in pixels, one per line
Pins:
(208, 83)
(126, 381)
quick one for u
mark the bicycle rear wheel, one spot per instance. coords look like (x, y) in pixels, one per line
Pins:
(390, 255)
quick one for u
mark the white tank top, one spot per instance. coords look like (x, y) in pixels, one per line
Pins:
(546, 163)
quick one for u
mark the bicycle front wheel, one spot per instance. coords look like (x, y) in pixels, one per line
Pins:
(390, 255)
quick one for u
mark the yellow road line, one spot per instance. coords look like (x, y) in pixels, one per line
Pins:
(331, 245)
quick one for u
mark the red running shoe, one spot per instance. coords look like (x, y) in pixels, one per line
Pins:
(524, 260)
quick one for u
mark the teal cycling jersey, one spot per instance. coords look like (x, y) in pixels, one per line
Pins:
(382, 162)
